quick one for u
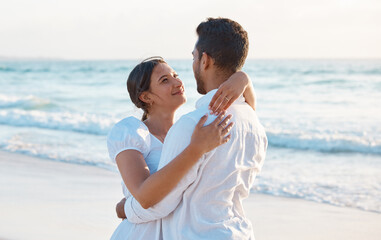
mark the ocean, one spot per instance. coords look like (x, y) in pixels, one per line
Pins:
(322, 118)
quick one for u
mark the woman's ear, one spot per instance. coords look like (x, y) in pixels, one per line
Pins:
(145, 97)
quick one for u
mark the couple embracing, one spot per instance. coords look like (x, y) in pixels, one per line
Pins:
(191, 185)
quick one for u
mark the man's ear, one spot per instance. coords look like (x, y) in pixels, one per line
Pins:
(145, 97)
(206, 61)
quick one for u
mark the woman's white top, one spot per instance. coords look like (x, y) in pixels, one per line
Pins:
(132, 134)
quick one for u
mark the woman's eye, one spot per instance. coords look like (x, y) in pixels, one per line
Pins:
(165, 80)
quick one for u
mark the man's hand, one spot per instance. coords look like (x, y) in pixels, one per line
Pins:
(120, 209)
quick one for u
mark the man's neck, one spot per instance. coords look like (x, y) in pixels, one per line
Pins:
(215, 79)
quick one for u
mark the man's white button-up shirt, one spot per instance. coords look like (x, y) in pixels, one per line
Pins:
(207, 202)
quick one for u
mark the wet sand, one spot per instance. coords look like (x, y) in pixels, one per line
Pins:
(42, 199)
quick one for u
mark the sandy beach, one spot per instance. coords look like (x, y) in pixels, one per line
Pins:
(42, 199)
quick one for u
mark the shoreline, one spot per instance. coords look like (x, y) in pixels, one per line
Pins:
(44, 199)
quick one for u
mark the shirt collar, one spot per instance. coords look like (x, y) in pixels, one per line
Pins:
(205, 100)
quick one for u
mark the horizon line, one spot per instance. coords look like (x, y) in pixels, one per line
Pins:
(172, 58)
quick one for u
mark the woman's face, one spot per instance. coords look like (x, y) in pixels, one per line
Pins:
(166, 89)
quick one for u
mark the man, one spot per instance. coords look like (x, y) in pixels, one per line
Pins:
(207, 203)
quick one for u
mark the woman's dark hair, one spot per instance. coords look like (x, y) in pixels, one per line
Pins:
(225, 41)
(139, 81)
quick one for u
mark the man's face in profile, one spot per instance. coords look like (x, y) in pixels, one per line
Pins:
(197, 72)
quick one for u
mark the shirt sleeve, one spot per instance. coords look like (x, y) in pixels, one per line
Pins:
(178, 138)
(128, 134)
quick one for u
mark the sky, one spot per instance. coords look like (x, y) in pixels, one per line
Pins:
(121, 29)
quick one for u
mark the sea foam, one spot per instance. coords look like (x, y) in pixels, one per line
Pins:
(65, 121)
(324, 142)
(27, 102)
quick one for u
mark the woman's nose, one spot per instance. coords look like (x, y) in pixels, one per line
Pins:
(178, 82)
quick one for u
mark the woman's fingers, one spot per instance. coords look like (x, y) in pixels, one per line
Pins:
(212, 102)
(228, 104)
(219, 118)
(202, 121)
(225, 122)
(220, 98)
(226, 139)
(221, 102)
(217, 103)
(225, 105)
(227, 129)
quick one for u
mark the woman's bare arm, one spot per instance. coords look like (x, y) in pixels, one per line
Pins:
(249, 95)
(150, 189)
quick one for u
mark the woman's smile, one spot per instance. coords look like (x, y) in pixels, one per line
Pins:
(179, 92)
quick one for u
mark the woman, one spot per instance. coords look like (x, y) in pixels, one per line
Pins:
(136, 145)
